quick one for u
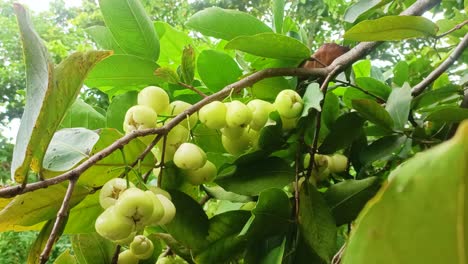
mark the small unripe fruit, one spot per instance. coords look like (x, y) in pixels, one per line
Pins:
(158, 209)
(202, 175)
(139, 117)
(169, 209)
(171, 260)
(127, 240)
(177, 107)
(338, 163)
(142, 247)
(127, 257)
(113, 226)
(154, 97)
(133, 203)
(233, 132)
(289, 104)
(213, 115)
(111, 190)
(237, 114)
(260, 113)
(288, 123)
(189, 157)
(236, 146)
(178, 135)
(157, 190)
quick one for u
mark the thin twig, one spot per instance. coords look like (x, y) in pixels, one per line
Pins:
(457, 52)
(59, 221)
(457, 27)
(161, 163)
(115, 257)
(190, 87)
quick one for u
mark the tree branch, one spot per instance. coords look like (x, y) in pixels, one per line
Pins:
(457, 52)
(59, 221)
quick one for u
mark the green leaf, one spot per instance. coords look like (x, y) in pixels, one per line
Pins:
(316, 223)
(429, 99)
(398, 106)
(122, 71)
(312, 98)
(278, 15)
(37, 206)
(103, 37)
(401, 73)
(190, 225)
(223, 242)
(271, 215)
(49, 94)
(271, 45)
(268, 88)
(359, 8)
(187, 67)
(381, 148)
(451, 114)
(422, 208)
(209, 62)
(390, 28)
(271, 138)
(346, 199)
(65, 258)
(118, 107)
(342, 133)
(68, 147)
(89, 248)
(374, 87)
(167, 74)
(253, 177)
(131, 28)
(219, 193)
(172, 44)
(226, 24)
(82, 114)
(373, 112)
(83, 216)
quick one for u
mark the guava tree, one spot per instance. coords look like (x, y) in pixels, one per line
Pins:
(234, 143)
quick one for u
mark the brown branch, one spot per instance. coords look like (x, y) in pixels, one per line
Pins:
(115, 257)
(161, 162)
(358, 52)
(190, 87)
(457, 52)
(457, 27)
(59, 221)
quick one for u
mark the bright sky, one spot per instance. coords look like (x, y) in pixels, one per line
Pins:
(42, 5)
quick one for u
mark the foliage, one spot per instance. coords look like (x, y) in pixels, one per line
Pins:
(290, 162)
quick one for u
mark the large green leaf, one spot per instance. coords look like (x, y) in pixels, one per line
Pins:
(131, 28)
(312, 98)
(374, 87)
(37, 206)
(316, 223)
(210, 62)
(122, 71)
(390, 28)
(223, 241)
(190, 225)
(271, 45)
(278, 14)
(451, 114)
(421, 209)
(429, 99)
(103, 37)
(398, 106)
(253, 177)
(271, 215)
(342, 133)
(172, 43)
(226, 24)
(50, 92)
(92, 248)
(68, 147)
(82, 114)
(373, 112)
(118, 108)
(346, 199)
(381, 148)
(66, 258)
(83, 216)
(268, 88)
(361, 7)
